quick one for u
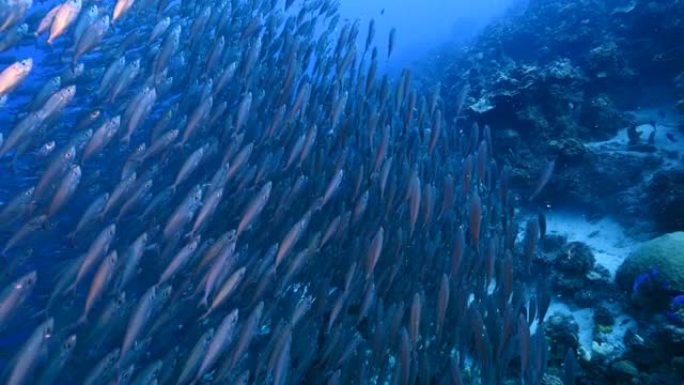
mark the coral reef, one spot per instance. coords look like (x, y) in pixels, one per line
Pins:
(666, 199)
(595, 87)
(554, 74)
(654, 270)
(576, 277)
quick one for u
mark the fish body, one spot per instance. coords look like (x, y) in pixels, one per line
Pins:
(66, 189)
(183, 213)
(14, 295)
(219, 343)
(12, 76)
(101, 137)
(27, 358)
(100, 282)
(255, 207)
(95, 252)
(65, 15)
(91, 37)
(120, 8)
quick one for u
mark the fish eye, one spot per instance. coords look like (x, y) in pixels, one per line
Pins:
(29, 281)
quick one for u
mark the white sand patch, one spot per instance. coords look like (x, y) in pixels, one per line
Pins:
(606, 237)
(610, 246)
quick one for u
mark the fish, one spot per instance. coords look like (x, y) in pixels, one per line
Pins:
(47, 20)
(219, 343)
(207, 211)
(333, 185)
(101, 137)
(119, 192)
(414, 195)
(104, 368)
(442, 303)
(138, 195)
(196, 356)
(128, 74)
(66, 189)
(180, 260)
(131, 260)
(169, 47)
(85, 19)
(51, 372)
(102, 278)
(17, 208)
(57, 102)
(544, 178)
(191, 163)
(254, 208)
(374, 252)
(475, 216)
(226, 289)
(292, 237)
(31, 227)
(245, 192)
(392, 39)
(120, 8)
(65, 16)
(248, 332)
(159, 29)
(147, 99)
(146, 308)
(14, 295)
(91, 213)
(13, 75)
(114, 69)
(13, 12)
(97, 250)
(91, 37)
(198, 116)
(12, 37)
(27, 357)
(184, 213)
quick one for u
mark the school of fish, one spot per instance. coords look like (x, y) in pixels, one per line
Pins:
(229, 192)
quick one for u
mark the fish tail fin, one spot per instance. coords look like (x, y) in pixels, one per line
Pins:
(39, 314)
(71, 289)
(203, 304)
(205, 315)
(82, 320)
(71, 238)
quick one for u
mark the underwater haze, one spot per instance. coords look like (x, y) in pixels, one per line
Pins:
(281, 192)
(422, 26)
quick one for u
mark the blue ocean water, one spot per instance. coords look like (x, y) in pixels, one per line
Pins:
(321, 191)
